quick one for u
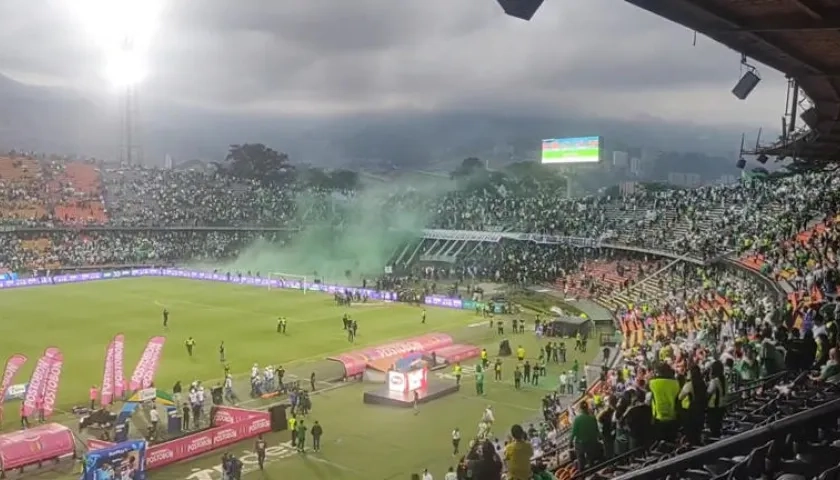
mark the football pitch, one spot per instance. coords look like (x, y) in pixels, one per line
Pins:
(360, 441)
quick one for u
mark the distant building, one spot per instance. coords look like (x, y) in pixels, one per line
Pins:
(167, 162)
(628, 188)
(635, 166)
(681, 179)
(676, 178)
(621, 159)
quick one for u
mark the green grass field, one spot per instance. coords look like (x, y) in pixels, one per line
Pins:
(360, 441)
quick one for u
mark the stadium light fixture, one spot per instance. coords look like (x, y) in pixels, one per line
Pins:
(749, 80)
(123, 29)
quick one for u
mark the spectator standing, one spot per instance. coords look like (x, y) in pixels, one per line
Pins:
(584, 437)
(518, 454)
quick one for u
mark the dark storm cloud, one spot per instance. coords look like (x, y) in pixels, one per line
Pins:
(326, 57)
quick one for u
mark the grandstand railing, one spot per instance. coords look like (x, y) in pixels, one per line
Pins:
(722, 448)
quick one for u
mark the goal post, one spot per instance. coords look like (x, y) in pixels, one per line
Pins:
(286, 278)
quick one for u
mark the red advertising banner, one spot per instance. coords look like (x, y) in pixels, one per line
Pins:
(355, 362)
(246, 424)
(13, 364)
(144, 372)
(38, 444)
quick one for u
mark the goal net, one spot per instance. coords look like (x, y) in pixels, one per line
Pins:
(287, 281)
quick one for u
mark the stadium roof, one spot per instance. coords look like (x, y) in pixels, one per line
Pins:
(800, 38)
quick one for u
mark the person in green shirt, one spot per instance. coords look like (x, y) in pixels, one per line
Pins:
(301, 436)
(479, 382)
(584, 437)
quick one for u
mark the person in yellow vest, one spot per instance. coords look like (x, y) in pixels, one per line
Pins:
(664, 389)
(520, 353)
(292, 424)
(484, 360)
(693, 400)
(457, 372)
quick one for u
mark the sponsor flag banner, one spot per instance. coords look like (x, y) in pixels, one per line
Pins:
(37, 382)
(119, 370)
(51, 385)
(107, 395)
(13, 364)
(144, 372)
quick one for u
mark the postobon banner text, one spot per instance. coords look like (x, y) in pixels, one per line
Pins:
(119, 370)
(38, 381)
(108, 377)
(51, 385)
(13, 364)
(144, 373)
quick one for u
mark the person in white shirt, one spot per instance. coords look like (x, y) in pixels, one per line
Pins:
(427, 475)
(456, 441)
(154, 418)
(451, 475)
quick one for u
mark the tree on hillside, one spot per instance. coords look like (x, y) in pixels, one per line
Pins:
(469, 167)
(258, 162)
(344, 179)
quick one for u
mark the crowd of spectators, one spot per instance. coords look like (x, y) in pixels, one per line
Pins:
(702, 222)
(691, 334)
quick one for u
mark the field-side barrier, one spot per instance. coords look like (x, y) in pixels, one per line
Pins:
(232, 425)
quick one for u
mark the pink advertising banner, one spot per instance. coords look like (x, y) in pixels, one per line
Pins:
(119, 365)
(13, 364)
(355, 362)
(144, 372)
(107, 392)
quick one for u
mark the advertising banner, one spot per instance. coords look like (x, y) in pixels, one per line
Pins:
(34, 445)
(119, 368)
(355, 362)
(15, 392)
(51, 385)
(38, 382)
(197, 275)
(245, 424)
(144, 372)
(107, 392)
(13, 364)
(125, 460)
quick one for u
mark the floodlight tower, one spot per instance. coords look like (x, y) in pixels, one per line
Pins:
(131, 151)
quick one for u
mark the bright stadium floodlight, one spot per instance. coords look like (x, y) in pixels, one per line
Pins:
(125, 69)
(124, 30)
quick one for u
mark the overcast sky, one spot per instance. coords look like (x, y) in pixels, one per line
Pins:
(323, 57)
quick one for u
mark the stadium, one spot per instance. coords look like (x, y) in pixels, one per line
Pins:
(490, 325)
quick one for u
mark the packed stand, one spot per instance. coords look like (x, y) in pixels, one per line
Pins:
(701, 223)
(38, 251)
(138, 196)
(22, 200)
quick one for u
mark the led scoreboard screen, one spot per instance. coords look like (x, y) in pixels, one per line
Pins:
(571, 150)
